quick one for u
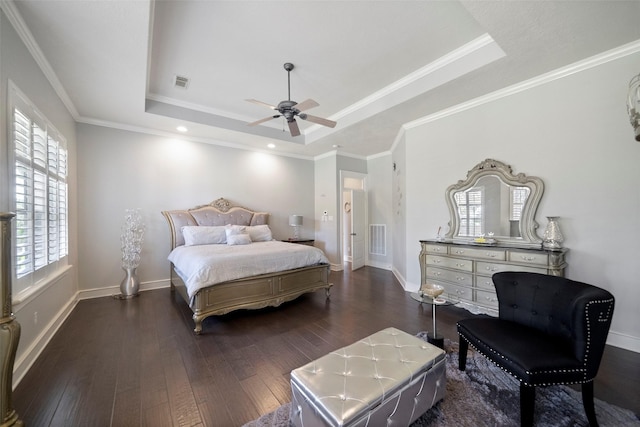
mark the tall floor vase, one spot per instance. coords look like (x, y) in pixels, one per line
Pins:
(9, 328)
(130, 284)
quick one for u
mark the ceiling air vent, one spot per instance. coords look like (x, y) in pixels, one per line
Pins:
(181, 81)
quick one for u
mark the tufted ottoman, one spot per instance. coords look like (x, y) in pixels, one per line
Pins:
(388, 378)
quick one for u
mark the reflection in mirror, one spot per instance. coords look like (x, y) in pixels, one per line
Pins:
(495, 204)
(491, 208)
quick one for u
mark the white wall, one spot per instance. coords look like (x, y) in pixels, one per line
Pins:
(53, 299)
(120, 169)
(326, 199)
(574, 133)
(379, 188)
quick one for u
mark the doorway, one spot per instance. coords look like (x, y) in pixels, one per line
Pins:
(353, 235)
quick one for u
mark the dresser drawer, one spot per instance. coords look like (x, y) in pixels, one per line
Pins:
(488, 268)
(458, 277)
(431, 248)
(486, 298)
(454, 292)
(489, 253)
(457, 263)
(527, 257)
(485, 283)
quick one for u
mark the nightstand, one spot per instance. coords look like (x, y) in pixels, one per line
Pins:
(308, 242)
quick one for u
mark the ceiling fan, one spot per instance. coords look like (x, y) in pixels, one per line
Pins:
(291, 109)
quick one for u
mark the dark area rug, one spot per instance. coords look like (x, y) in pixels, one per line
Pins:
(484, 395)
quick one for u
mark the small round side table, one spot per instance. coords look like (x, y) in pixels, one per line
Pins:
(432, 336)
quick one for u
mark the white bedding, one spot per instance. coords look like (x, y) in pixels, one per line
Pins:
(205, 265)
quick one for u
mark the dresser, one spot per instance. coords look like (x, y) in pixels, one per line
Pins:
(465, 270)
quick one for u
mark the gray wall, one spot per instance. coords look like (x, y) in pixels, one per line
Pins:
(53, 298)
(121, 169)
(574, 133)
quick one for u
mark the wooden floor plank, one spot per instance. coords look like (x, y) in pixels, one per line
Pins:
(138, 363)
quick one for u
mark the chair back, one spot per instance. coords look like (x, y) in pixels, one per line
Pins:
(576, 312)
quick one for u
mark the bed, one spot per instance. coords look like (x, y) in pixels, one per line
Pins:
(215, 278)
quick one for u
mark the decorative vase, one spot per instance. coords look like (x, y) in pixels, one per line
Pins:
(130, 285)
(553, 237)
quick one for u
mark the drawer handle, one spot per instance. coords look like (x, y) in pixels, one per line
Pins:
(459, 251)
(492, 268)
(491, 254)
(528, 258)
(491, 299)
(460, 265)
(437, 273)
(437, 261)
(460, 279)
(436, 250)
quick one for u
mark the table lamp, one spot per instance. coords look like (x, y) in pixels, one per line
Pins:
(295, 221)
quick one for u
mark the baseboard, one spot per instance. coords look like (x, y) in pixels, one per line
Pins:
(22, 365)
(115, 290)
(383, 266)
(624, 341)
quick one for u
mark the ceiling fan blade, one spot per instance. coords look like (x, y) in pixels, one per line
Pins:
(293, 128)
(306, 105)
(266, 119)
(318, 120)
(264, 104)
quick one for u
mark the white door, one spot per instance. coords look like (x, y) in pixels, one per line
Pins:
(358, 229)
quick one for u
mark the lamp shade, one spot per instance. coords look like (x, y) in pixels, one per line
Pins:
(295, 220)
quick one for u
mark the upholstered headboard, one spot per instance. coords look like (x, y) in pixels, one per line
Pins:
(218, 212)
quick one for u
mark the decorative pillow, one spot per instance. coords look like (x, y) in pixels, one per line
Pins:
(237, 235)
(238, 239)
(260, 233)
(199, 235)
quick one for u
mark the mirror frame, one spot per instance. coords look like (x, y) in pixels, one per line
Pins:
(528, 224)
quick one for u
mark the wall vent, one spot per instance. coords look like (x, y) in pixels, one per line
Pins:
(378, 239)
(181, 81)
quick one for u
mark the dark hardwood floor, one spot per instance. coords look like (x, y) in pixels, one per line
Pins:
(138, 363)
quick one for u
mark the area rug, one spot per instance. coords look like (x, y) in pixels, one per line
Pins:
(484, 395)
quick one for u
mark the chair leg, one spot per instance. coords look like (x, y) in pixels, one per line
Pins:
(462, 354)
(527, 404)
(587, 402)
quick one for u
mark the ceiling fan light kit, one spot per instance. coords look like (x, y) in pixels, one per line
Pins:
(291, 109)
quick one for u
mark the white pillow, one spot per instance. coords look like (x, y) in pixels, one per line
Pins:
(237, 235)
(238, 239)
(260, 233)
(202, 235)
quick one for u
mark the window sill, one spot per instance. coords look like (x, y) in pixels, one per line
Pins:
(32, 292)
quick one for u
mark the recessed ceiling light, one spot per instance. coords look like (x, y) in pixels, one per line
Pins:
(181, 129)
(271, 145)
(336, 146)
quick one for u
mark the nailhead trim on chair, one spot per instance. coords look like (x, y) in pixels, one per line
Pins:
(588, 346)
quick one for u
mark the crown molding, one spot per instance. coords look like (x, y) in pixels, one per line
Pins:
(576, 67)
(14, 17)
(171, 135)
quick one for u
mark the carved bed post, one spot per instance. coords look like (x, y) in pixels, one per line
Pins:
(9, 327)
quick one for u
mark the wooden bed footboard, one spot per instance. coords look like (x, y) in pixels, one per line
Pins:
(266, 290)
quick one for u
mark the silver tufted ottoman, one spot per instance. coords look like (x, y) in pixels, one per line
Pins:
(388, 378)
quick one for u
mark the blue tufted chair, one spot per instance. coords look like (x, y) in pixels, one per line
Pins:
(550, 330)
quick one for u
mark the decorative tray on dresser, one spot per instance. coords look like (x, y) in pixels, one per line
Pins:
(465, 270)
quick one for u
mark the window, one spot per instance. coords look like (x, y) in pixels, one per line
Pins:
(518, 198)
(470, 210)
(40, 194)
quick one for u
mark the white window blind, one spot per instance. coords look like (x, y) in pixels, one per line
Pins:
(40, 194)
(470, 212)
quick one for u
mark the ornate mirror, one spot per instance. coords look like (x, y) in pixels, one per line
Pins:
(493, 206)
